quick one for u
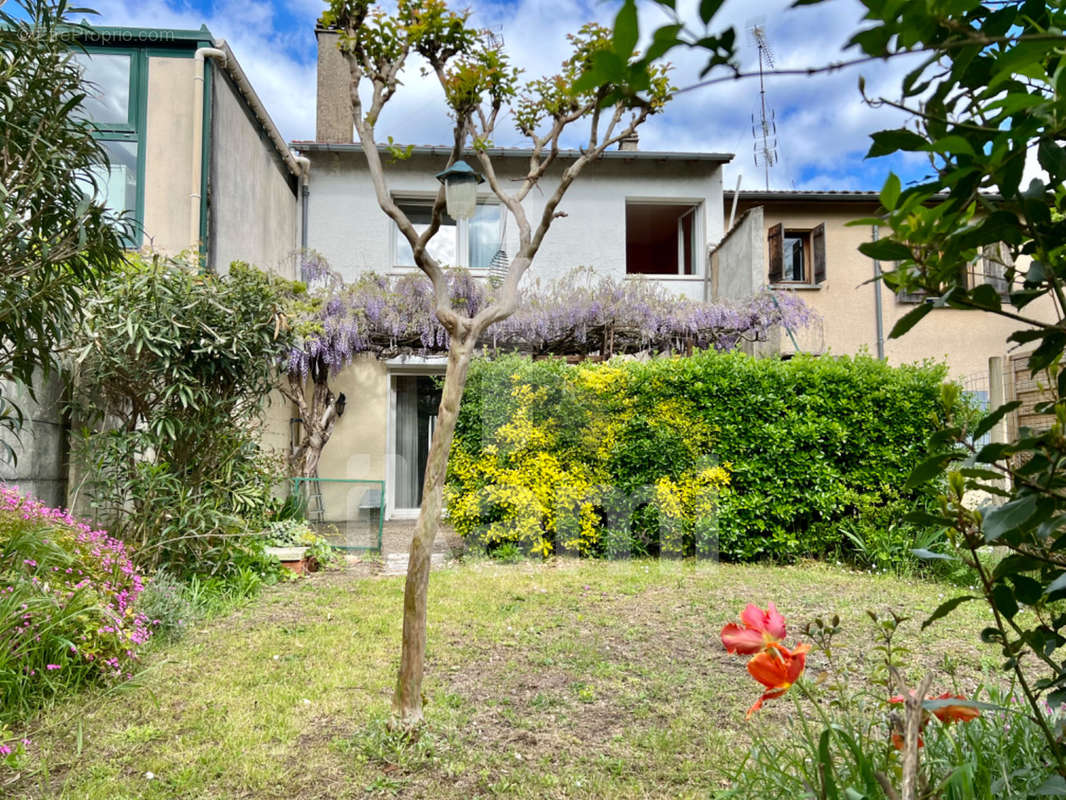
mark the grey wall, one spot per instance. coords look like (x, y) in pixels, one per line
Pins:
(253, 209)
(41, 447)
(738, 260)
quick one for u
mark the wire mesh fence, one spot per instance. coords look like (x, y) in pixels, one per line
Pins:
(349, 514)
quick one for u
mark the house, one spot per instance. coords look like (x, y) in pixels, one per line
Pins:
(801, 241)
(634, 213)
(198, 164)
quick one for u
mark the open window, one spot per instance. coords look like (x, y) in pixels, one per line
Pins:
(797, 255)
(662, 238)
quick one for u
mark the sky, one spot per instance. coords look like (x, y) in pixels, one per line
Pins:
(822, 123)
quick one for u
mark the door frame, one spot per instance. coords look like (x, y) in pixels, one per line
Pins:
(405, 366)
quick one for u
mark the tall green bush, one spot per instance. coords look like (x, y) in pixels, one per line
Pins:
(803, 450)
(173, 371)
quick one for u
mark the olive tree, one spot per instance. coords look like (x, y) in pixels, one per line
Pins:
(481, 89)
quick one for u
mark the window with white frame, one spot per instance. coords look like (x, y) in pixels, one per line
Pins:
(471, 243)
(662, 237)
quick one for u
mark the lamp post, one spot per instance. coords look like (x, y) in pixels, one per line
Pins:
(460, 189)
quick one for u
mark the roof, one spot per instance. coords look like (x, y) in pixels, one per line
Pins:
(519, 152)
(157, 37)
(821, 195)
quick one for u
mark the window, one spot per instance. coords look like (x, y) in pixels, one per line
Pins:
(796, 255)
(662, 238)
(990, 268)
(472, 243)
(114, 105)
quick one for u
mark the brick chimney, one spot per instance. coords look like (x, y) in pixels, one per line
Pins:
(333, 117)
(628, 143)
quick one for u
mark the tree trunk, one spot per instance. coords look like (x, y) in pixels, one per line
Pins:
(318, 420)
(407, 701)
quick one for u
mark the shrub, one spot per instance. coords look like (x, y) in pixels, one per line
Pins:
(68, 597)
(174, 369)
(165, 603)
(757, 457)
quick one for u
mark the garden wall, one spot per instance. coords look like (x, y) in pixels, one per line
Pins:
(711, 454)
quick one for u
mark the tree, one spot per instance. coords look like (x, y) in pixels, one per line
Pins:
(578, 315)
(56, 237)
(173, 368)
(479, 85)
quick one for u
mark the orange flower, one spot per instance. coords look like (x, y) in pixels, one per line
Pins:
(760, 631)
(777, 668)
(955, 713)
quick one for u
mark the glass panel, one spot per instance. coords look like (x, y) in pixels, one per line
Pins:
(107, 89)
(406, 442)
(443, 246)
(117, 188)
(794, 258)
(485, 235)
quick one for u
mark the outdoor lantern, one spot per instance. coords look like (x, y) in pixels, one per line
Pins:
(460, 189)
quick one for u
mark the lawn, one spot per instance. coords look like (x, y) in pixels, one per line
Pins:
(566, 679)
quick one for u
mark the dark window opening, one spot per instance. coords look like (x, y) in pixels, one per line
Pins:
(661, 238)
(796, 256)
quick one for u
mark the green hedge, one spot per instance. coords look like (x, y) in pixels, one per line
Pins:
(810, 446)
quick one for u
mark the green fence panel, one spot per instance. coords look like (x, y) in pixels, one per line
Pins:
(349, 514)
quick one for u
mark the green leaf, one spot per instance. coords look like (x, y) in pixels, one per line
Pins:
(708, 8)
(1056, 586)
(925, 518)
(626, 30)
(1055, 786)
(989, 421)
(890, 192)
(929, 555)
(930, 468)
(885, 250)
(1008, 517)
(1003, 600)
(946, 608)
(888, 142)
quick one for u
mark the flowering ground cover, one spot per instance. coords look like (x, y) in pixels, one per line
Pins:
(565, 679)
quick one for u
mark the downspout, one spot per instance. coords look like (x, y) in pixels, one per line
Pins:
(196, 196)
(877, 305)
(305, 194)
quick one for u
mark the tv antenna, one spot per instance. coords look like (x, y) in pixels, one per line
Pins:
(764, 132)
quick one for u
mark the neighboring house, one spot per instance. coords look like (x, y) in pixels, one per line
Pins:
(801, 241)
(634, 213)
(200, 166)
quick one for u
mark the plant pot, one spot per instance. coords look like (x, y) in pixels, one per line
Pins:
(292, 558)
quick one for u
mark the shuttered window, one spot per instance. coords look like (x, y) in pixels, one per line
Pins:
(796, 256)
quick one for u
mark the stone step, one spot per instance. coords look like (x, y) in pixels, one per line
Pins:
(396, 563)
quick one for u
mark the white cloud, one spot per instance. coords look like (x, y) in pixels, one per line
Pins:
(822, 122)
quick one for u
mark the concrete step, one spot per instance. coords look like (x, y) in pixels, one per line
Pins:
(396, 563)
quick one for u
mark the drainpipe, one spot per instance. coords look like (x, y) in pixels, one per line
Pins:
(877, 305)
(305, 193)
(195, 198)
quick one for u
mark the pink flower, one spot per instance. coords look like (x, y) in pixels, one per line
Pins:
(52, 666)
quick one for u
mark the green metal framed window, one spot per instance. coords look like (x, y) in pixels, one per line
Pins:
(116, 104)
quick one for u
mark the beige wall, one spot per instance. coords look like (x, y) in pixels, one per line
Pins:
(168, 154)
(847, 303)
(357, 450)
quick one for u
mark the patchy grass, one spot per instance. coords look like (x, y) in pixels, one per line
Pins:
(570, 679)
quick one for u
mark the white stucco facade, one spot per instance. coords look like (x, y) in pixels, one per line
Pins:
(349, 229)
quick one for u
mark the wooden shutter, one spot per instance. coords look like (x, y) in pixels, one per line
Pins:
(776, 242)
(818, 249)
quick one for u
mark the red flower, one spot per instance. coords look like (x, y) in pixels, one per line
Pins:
(954, 713)
(760, 631)
(777, 668)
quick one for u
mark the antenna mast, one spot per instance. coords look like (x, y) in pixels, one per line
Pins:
(765, 131)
